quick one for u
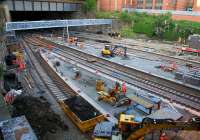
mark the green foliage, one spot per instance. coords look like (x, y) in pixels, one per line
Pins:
(144, 25)
(161, 26)
(89, 6)
(127, 32)
(163, 23)
(126, 17)
(110, 15)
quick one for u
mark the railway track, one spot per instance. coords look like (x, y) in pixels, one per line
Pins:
(143, 81)
(56, 86)
(134, 50)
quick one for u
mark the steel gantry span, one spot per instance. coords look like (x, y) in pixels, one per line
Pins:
(26, 25)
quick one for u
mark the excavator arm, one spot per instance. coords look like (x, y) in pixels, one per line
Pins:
(148, 125)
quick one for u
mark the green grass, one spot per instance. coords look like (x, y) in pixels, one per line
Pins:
(127, 32)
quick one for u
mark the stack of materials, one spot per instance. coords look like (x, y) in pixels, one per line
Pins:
(103, 129)
(191, 77)
(17, 129)
(194, 41)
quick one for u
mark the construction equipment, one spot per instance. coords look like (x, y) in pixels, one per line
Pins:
(81, 112)
(111, 51)
(114, 35)
(72, 40)
(113, 96)
(99, 85)
(134, 131)
(168, 68)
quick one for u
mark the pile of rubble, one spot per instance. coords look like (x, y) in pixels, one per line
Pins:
(39, 114)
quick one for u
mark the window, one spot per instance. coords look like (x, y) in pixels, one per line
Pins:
(140, 4)
(149, 4)
(159, 4)
(198, 3)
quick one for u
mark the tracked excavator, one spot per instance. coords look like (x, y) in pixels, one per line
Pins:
(111, 51)
(136, 131)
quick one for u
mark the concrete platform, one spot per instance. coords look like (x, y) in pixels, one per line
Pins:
(136, 61)
(86, 85)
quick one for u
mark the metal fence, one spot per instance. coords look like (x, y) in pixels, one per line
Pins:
(12, 26)
(154, 11)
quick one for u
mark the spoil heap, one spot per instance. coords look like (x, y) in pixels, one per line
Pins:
(39, 114)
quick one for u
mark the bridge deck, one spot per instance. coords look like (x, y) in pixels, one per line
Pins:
(12, 26)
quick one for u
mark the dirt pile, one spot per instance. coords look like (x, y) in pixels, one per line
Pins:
(83, 110)
(39, 114)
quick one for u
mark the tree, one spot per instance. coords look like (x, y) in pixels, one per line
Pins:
(162, 24)
(89, 6)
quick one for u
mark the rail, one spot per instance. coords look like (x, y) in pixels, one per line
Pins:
(25, 25)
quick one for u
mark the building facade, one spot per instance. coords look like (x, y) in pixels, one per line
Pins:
(117, 5)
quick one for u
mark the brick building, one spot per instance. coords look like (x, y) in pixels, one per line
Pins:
(117, 5)
(180, 5)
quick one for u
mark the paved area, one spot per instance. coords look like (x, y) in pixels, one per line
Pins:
(140, 62)
(87, 85)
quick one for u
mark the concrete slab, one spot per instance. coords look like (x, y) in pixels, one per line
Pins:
(86, 85)
(166, 112)
(137, 61)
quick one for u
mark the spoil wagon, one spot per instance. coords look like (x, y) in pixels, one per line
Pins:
(82, 113)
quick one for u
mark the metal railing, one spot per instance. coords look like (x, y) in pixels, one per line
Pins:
(25, 25)
(154, 11)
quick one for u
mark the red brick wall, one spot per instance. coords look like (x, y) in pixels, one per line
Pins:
(181, 4)
(168, 5)
(188, 18)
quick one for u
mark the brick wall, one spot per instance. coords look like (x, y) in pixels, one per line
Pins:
(182, 4)
(188, 18)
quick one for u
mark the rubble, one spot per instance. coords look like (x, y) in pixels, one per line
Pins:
(38, 112)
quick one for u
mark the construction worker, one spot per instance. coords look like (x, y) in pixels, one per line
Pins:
(124, 88)
(163, 137)
(117, 86)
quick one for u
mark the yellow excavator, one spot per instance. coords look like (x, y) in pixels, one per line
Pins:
(111, 51)
(136, 131)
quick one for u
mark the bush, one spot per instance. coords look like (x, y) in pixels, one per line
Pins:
(127, 32)
(162, 26)
(126, 17)
(110, 15)
(89, 5)
(144, 25)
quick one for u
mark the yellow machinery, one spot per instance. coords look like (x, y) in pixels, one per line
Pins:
(110, 96)
(106, 97)
(113, 96)
(99, 85)
(111, 51)
(136, 131)
(106, 52)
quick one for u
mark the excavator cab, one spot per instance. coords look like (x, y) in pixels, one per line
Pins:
(107, 51)
(111, 51)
